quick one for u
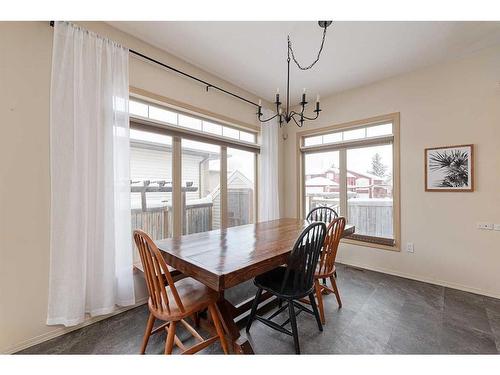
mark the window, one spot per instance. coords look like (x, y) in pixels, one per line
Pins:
(322, 180)
(151, 184)
(369, 191)
(200, 186)
(161, 114)
(177, 182)
(359, 133)
(240, 187)
(353, 169)
(140, 109)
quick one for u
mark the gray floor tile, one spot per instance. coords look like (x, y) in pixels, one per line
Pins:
(459, 339)
(494, 319)
(466, 309)
(381, 314)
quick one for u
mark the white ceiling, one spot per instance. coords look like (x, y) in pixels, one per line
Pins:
(252, 55)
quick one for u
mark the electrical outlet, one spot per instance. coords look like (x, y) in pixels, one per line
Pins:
(409, 247)
(485, 226)
(496, 226)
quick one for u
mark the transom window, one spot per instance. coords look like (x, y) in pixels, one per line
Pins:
(354, 169)
(349, 135)
(158, 113)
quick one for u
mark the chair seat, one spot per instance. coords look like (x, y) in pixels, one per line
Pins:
(194, 295)
(272, 282)
(321, 275)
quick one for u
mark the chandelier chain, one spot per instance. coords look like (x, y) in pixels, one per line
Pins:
(290, 48)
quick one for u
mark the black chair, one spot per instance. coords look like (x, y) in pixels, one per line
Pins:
(323, 214)
(293, 282)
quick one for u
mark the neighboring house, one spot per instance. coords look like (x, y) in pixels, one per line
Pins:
(240, 190)
(363, 184)
(153, 161)
(321, 185)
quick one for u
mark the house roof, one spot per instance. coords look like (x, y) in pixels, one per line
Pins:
(368, 175)
(320, 181)
(236, 178)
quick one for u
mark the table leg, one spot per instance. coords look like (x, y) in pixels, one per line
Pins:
(240, 344)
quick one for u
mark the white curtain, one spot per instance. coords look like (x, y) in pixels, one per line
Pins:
(91, 252)
(269, 208)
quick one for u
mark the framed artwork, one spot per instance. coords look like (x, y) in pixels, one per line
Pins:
(449, 168)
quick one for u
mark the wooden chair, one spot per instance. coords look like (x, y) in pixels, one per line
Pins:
(173, 302)
(326, 264)
(293, 282)
(323, 214)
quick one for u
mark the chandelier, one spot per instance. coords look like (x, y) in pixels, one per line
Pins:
(297, 117)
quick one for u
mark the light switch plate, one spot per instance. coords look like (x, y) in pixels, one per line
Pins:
(496, 226)
(409, 247)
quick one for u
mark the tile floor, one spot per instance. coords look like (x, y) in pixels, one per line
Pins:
(381, 314)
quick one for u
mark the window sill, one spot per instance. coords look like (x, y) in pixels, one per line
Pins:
(358, 242)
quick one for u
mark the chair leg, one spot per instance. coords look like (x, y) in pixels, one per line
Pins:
(169, 343)
(147, 333)
(336, 291)
(196, 320)
(315, 310)
(254, 309)
(335, 273)
(218, 327)
(293, 322)
(319, 295)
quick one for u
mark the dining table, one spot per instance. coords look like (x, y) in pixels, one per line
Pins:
(224, 258)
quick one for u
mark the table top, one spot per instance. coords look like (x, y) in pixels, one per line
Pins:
(227, 257)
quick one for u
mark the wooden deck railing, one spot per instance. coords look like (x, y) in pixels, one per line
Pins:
(157, 222)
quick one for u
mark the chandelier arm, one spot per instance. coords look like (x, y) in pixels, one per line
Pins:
(269, 119)
(296, 123)
(312, 118)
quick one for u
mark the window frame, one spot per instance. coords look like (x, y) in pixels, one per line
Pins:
(178, 133)
(394, 139)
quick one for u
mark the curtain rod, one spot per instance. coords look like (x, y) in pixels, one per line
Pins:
(205, 83)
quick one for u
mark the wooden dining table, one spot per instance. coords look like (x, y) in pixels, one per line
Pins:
(224, 258)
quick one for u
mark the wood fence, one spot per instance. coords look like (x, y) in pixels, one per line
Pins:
(372, 217)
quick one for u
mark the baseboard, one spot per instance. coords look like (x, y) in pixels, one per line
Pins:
(63, 330)
(444, 283)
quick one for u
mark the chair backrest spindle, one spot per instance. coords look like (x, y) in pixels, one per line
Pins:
(323, 214)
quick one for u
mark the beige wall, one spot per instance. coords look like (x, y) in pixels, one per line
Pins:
(25, 64)
(453, 103)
